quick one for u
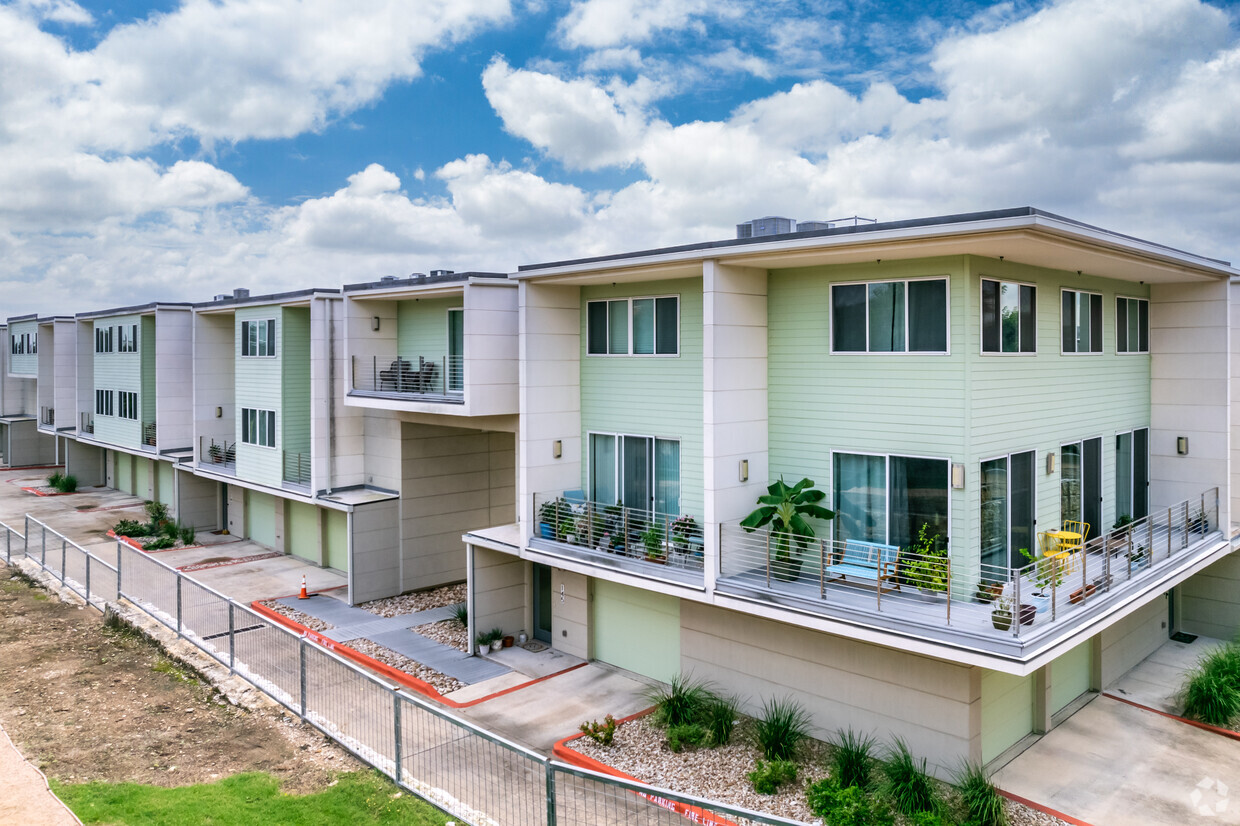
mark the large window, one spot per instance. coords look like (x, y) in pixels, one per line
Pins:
(639, 472)
(1009, 320)
(1007, 512)
(258, 338)
(103, 402)
(1082, 322)
(1132, 474)
(127, 404)
(888, 498)
(23, 344)
(103, 339)
(1132, 325)
(258, 427)
(633, 327)
(890, 317)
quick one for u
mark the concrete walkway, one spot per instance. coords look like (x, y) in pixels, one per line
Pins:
(1113, 764)
(27, 799)
(396, 633)
(1157, 680)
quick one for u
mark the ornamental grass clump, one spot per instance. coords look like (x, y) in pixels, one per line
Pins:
(1211, 692)
(781, 728)
(852, 759)
(983, 804)
(906, 782)
(681, 702)
(719, 718)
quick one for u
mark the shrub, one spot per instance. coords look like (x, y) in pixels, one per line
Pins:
(932, 818)
(159, 543)
(768, 777)
(783, 726)
(461, 614)
(497, 634)
(157, 512)
(1211, 692)
(130, 527)
(852, 758)
(907, 784)
(982, 803)
(187, 534)
(602, 733)
(169, 529)
(68, 484)
(719, 718)
(845, 805)
(685, 735)
(681, 701)
(54, 480)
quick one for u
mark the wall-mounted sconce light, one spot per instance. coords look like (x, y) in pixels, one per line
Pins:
(957, 476)
(374, 323)
(1050, 463)
(219, 412)
(1181, 445)
(743, 470)
(557, 449)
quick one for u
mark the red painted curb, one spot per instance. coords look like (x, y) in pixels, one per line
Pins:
(1046, 810)
(394, 674)
(137, 545)
(38, 492)
(695, 814)
(1226, 732)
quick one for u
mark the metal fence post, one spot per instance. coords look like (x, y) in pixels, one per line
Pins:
(396, 755)
(232, 640)
(26, 538)
(88, 579)
(550, 793)
(178, 604)
(301, 666)
(119, 555)
(43, 545)
(64, 558)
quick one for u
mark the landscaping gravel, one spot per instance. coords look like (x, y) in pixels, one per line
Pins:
(419, 601)
(442, 682)
(640, 750)
(313, 623)
(448, 632)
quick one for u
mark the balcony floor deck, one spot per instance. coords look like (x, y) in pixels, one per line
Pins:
(675, 572)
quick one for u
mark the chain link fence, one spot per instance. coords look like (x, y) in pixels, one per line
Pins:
(474, 775)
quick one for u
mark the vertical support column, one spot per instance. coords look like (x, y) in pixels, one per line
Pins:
(1042, 680)
(734, 400)
(397, 774)
(232, 639)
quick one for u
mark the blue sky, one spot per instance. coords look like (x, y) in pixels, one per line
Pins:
(174, 150)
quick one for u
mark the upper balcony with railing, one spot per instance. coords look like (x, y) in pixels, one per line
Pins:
(149, 440)
(944, 597)
(428, 378)
(647, 543)
(217, 454)
(296, 468)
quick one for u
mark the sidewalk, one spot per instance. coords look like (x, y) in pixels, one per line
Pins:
(27, 799)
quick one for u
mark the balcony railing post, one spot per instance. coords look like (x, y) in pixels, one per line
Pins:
(1054, 587)
(949, 590)
(1169, 521)
(1016, 612)
(374, 372)
(1184, 534)
(822, 569)
(768, 559)
(1084, 575)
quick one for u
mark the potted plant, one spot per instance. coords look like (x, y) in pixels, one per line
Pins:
(1047, 576)
(216, 453)
(1139, 558)
(497, 638)
(652, 541)
(788, 511)
(552, 513)
(1001, 614)
(926, 564)
(568, 531)
(988, 591)
(484, 642)
(683, 529)
(1117, 540)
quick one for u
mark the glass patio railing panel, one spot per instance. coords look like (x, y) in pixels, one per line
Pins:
(410, 375)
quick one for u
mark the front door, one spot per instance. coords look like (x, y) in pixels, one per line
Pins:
(542, 603)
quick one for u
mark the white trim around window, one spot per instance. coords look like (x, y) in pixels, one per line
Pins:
(258, 338)
(258, 427)
(1124, 333)
(907, 333)
(834, 493)
(1093, 329)
(1024, 347)
(658, 345)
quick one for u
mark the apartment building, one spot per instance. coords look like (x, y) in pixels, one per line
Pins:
(963, 384)
(23, 442)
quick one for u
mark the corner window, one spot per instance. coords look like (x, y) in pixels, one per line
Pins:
(258, 427)
(1132, 325)
(1009, 317)
(1082, 322)
(633, 326)
(890, 317)
(258, 338)
(103, 339)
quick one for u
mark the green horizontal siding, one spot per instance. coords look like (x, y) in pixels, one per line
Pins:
(118, 371)
(422, 328)
(26, 364)
(259, 386)
(650, 395)
(295, 381)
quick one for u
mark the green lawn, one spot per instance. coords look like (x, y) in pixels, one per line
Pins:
(359, 798)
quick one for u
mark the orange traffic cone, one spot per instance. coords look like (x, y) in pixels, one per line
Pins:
(303, 594)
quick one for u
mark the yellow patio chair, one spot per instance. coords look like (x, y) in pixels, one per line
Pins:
(1071, 544)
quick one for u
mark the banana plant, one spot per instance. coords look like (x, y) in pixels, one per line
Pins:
(787, 510)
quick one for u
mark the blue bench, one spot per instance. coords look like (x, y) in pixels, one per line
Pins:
(868, 563)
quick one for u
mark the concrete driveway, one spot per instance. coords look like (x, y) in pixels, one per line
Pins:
(1123, 761)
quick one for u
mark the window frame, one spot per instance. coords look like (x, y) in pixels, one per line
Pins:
(629, 327)
(833, 493)
(651, 473)
(947, 320)
(1127, 351)
(104, 402)
(127, 405)
(1101, 320)
(268, 424)
(981, 318)
(1132, 472)
(1007, 498)
(269, 327)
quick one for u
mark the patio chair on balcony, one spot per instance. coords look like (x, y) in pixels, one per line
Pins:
(426, 376)
(400, 377)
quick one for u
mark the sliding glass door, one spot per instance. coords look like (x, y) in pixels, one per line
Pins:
(1007, 510)
(1132, 474)
(1080, 483)
(887, 499)
(640, 472)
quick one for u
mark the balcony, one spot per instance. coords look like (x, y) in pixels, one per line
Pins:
(439, 379)
(148, 436)
(47, 417)
(297, 469)
(666, 547)
(218, 455)
(941, 599)
(86, 423)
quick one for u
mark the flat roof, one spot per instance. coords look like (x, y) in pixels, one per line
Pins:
(419, 279)
(269, 298)
(136, 309)
(980, 233)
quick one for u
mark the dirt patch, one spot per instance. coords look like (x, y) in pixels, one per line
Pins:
(86, 703)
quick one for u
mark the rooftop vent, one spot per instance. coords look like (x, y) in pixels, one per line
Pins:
(440, 273)
(770, 225)
(241, 293)
(387, 279)
(809, 226)
(221, 297)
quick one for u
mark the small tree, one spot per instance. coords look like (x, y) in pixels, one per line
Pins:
(788, 511)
